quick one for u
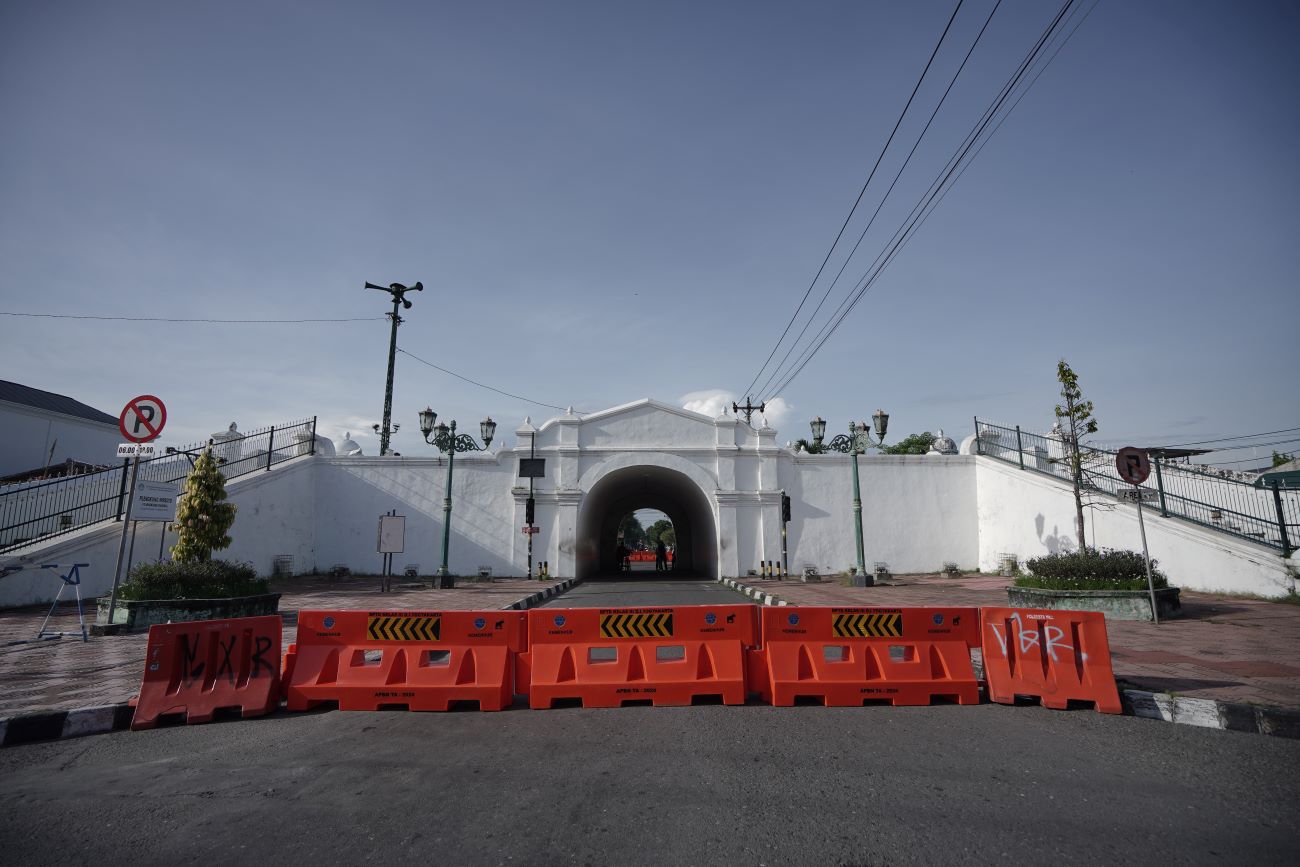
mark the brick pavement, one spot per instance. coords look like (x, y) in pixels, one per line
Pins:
(1222, 648)
(68, 673)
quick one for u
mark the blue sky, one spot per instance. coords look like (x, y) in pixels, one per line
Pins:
(608, 201)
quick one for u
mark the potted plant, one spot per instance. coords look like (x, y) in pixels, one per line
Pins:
(193, 586)
(1111, 581)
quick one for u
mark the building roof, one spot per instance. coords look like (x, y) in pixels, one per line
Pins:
(25, 395)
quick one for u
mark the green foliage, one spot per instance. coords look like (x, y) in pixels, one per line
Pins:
(1280, 458)
(915, 444)
(206, 579)
(1091, 569)
(1077, 415)
(811, 447)
(632, 532)
(203, 517)
(1077, 411)
(657, 533)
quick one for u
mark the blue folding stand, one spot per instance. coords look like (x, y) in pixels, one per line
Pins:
(72, 579)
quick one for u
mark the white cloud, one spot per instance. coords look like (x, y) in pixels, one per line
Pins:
(712, 401)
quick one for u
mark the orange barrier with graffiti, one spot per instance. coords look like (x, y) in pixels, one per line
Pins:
(200, 667)
(1055, 656)
(423, 660)
(666, 656)
(845, 657)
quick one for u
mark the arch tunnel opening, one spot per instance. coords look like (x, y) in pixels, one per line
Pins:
(647, 487)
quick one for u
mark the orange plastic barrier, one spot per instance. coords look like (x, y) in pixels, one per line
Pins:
(668, 656)
(846, 657)
(425, 660)
(1057, 656)
(208, 665)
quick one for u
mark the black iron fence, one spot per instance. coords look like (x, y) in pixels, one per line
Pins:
(1231, 502)
(43, 509)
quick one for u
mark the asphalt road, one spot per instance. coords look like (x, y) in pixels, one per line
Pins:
(641, 592)
(696, 785)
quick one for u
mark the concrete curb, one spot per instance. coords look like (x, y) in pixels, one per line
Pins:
(54, 725)
(1203, 712)
(1209, 713)
(752, 592)
(540, 596)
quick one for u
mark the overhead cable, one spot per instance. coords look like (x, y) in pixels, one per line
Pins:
(488, 387)
(861, 193)
(174, 319)
(871, 222)
(928, 199)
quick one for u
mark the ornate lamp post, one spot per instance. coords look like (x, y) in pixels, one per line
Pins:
(447, 441)
(855, 443)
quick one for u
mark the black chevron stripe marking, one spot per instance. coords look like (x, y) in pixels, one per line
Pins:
(868, 625)
(637, 625)
(404, 628)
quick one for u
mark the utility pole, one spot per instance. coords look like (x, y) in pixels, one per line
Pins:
(748, 409)
(398, 291)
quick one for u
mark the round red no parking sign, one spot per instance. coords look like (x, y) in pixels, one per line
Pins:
(142, 418)
(1133, 465)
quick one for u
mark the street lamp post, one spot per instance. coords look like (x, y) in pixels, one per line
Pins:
(855, 443)
(445, 438)
(398, 291)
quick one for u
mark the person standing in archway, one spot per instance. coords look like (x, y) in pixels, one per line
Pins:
(621, 553)
(661, 556)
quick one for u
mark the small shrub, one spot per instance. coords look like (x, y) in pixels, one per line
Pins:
(208, 579)
(1091, 569)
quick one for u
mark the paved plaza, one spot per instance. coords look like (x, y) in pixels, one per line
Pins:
(1227, 649)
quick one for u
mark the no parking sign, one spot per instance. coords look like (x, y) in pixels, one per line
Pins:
(142, 418)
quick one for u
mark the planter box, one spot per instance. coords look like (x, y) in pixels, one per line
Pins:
(132, 614)
(1115, 604)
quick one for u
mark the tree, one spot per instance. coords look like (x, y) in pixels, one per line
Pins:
(632, 532)
(657, 530)
(1280, 458)
(203, 517)
(1077, 415)
(810, 447)
(915, 444)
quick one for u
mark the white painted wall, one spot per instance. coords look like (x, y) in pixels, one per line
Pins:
(919, 512)
(916, 511)
(31, 432)
(275, 515)
(1029, 515)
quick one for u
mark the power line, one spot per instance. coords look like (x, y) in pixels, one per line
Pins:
(1254, 445)
(209, 321)
(488, 387)
(1233, 438)
(861, 193)
(939, 188)
(871, 222)
(929, 198)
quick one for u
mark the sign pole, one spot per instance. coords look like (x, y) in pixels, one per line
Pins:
(121, 548)
(1146, 555)
(1134, 466)
(141, 421)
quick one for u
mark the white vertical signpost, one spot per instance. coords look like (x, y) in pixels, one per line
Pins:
(141, 421)
(392, 540)
(1134, 466)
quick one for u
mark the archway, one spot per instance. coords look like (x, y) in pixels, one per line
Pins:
(647, 487)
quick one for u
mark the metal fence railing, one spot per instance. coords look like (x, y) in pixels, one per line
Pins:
(43, 509)
(1230, 502)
